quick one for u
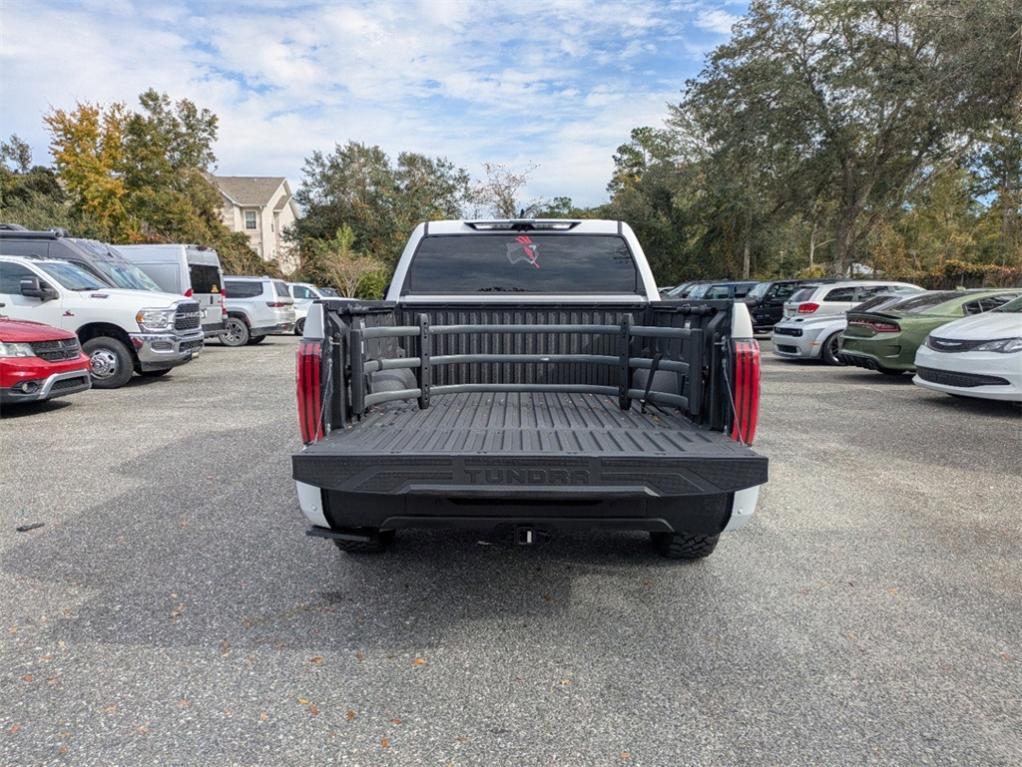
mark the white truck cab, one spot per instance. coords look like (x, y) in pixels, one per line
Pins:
(122, 331)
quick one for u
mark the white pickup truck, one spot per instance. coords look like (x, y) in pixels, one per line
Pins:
(122, 331)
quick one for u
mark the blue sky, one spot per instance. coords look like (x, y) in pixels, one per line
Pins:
(555, 84)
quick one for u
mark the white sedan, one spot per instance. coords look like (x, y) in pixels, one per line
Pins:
(977, 356)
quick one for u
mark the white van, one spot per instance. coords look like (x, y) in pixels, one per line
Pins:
(191, 271)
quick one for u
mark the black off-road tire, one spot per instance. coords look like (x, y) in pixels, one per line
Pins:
(154, 373)
(378, 542)
(253, 340)
(830, 349)
(111, 363)
(300, 327)
(684, 545)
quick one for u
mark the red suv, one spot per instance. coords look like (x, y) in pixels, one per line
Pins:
(39, 362)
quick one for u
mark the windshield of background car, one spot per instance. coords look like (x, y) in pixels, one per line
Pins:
(124, 275)
(923, 304)
(1014, 306)
(884, 299)
(328, 292)
(802, 295)
(525, 262)
(758, 291)
(71, 276)
(742, 289)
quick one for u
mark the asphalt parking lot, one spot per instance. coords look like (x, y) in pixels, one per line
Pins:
(171, 610)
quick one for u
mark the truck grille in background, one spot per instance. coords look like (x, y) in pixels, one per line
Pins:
(964, 380)
(54, 351)
(188, 317)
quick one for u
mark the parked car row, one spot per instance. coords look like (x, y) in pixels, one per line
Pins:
(961, 342)
(77, 313)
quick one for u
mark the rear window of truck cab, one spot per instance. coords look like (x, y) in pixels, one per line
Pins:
(522, 262)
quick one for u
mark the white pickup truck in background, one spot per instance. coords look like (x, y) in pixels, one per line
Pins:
(122, 331)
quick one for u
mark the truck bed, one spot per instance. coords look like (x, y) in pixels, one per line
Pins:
(539, 445)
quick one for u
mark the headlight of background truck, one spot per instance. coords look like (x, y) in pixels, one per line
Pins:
(16, 350)
(155, 320)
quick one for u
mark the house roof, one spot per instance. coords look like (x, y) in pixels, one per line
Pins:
(249, 190)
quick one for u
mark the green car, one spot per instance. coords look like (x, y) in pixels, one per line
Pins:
(887, 340)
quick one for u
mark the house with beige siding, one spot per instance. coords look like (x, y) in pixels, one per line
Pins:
(262, 208)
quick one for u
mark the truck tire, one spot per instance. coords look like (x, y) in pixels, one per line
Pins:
(154, 373)
(830, 348)
(253, 340)
(300, 327)
(378, 542)
(684, 545)
(110, 362)
(235, 332)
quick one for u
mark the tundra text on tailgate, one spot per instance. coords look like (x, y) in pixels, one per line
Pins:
(524, 377)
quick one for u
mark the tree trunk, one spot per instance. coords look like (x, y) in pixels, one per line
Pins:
(812, 245)
(746, 258)
(844, 243)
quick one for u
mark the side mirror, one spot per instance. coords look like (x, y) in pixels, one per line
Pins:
(33, 288)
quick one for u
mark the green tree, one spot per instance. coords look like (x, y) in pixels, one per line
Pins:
(336, 263)
(359, 186)
(144, 176)
(31, 195)
(853, 100)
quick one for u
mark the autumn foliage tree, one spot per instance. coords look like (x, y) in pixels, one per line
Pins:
(143, 176)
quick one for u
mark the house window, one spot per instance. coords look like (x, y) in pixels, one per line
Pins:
(250, 219)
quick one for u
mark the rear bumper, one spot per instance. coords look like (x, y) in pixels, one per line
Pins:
(213, 329)
(707, 515)
(697, 496)
(280, 328)
(886, 354)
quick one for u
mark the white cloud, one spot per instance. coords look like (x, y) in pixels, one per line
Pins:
(716, 20)
(558, 83)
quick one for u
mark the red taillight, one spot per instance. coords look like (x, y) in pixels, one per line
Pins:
(746, 390)
(275, 304)
(885, 327)
(808, 308)
(308, 367)
(876, 326)
(188, 293)
(223, 307)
